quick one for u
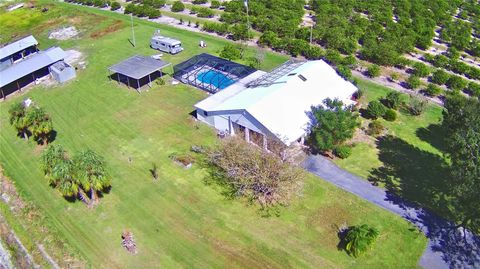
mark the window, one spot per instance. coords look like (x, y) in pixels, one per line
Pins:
(302, 77)
(292, 74)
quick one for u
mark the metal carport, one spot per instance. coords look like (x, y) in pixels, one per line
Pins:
(137, 68)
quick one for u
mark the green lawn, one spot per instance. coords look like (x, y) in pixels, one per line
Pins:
(179, 221)
(409, 161)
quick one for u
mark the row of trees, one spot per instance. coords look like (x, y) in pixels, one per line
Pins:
(281, 16)
(31, 121)
(84, 176)
(142, 11)
(450, 62)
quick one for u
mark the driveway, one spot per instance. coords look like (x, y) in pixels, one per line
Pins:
(448, 246)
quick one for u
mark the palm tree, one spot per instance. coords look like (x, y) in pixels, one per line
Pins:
(19, 120)
(92, 173)
(66, 182)
(50, 158)
(359, 239)
(41, 124)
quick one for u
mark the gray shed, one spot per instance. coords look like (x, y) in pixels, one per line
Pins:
(61, 71)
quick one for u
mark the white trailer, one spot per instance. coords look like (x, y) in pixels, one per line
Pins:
(165, 44)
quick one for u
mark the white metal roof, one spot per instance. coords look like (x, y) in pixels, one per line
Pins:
(282, 107)
(31, 64)
(17, 46)
(167, 40)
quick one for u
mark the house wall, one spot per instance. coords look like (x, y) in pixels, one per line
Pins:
(219, 120)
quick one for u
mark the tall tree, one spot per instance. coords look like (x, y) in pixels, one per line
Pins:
(92, 173)
(332, 124)
(40, 124)
(19, 120)
(462, 123)
(50, 158)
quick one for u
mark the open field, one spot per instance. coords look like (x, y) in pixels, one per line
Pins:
(178, 221)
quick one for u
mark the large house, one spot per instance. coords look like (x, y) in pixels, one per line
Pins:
(263, 105)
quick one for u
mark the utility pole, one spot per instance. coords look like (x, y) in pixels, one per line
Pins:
(133, 31)
(311, 34)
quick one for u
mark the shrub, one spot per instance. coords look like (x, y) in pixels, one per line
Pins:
(390, 115)
(215, 4)
(345, 72)
(375, 109)
(394, 76)
(199, 2)
(359, 239)
(115, 6)
(342, 151)
(160, 81)
(441, 61)
(416, 105)
(373, 71)
(440, 77)
(456, 83)
(230, 52)
(433, 90)
(413, 82)
(178, 6)
(358, 94)
(474, 89)
(375, 128)
(333, 56)
(203, 12)
(393, 100)
(421, 70)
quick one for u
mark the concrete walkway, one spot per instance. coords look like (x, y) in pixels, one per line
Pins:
(448, 246)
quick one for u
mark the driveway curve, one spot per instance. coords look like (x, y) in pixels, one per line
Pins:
(448, 246)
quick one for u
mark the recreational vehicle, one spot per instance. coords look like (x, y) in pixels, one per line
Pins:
(166, 44)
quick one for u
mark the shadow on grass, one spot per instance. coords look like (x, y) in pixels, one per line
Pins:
(433, 134)
(416, 175)
(422, 178)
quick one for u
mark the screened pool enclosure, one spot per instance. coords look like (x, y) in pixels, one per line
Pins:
(210, 73)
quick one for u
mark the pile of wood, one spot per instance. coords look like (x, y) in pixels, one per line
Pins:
(128, 242)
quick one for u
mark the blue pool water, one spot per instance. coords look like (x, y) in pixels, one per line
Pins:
(215, 78)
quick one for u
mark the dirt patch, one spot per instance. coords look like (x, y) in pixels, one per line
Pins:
(328, 220)
(75, 58)
(64, 33)
(361, 137)
(117, 25)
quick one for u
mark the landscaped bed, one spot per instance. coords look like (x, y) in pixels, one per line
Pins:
(178, 221)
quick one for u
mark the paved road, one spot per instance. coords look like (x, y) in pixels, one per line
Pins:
(448, 247)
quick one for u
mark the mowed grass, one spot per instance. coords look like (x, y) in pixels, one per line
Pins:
(179, 221)
(408, 128)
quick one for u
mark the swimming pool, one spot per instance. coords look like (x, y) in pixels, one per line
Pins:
(215, 78)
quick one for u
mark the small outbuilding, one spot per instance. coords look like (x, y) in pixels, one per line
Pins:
(137, 71)
(61, 71)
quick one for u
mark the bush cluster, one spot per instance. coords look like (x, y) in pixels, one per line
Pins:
(178, 6)
(142, 11)
(342, 151)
